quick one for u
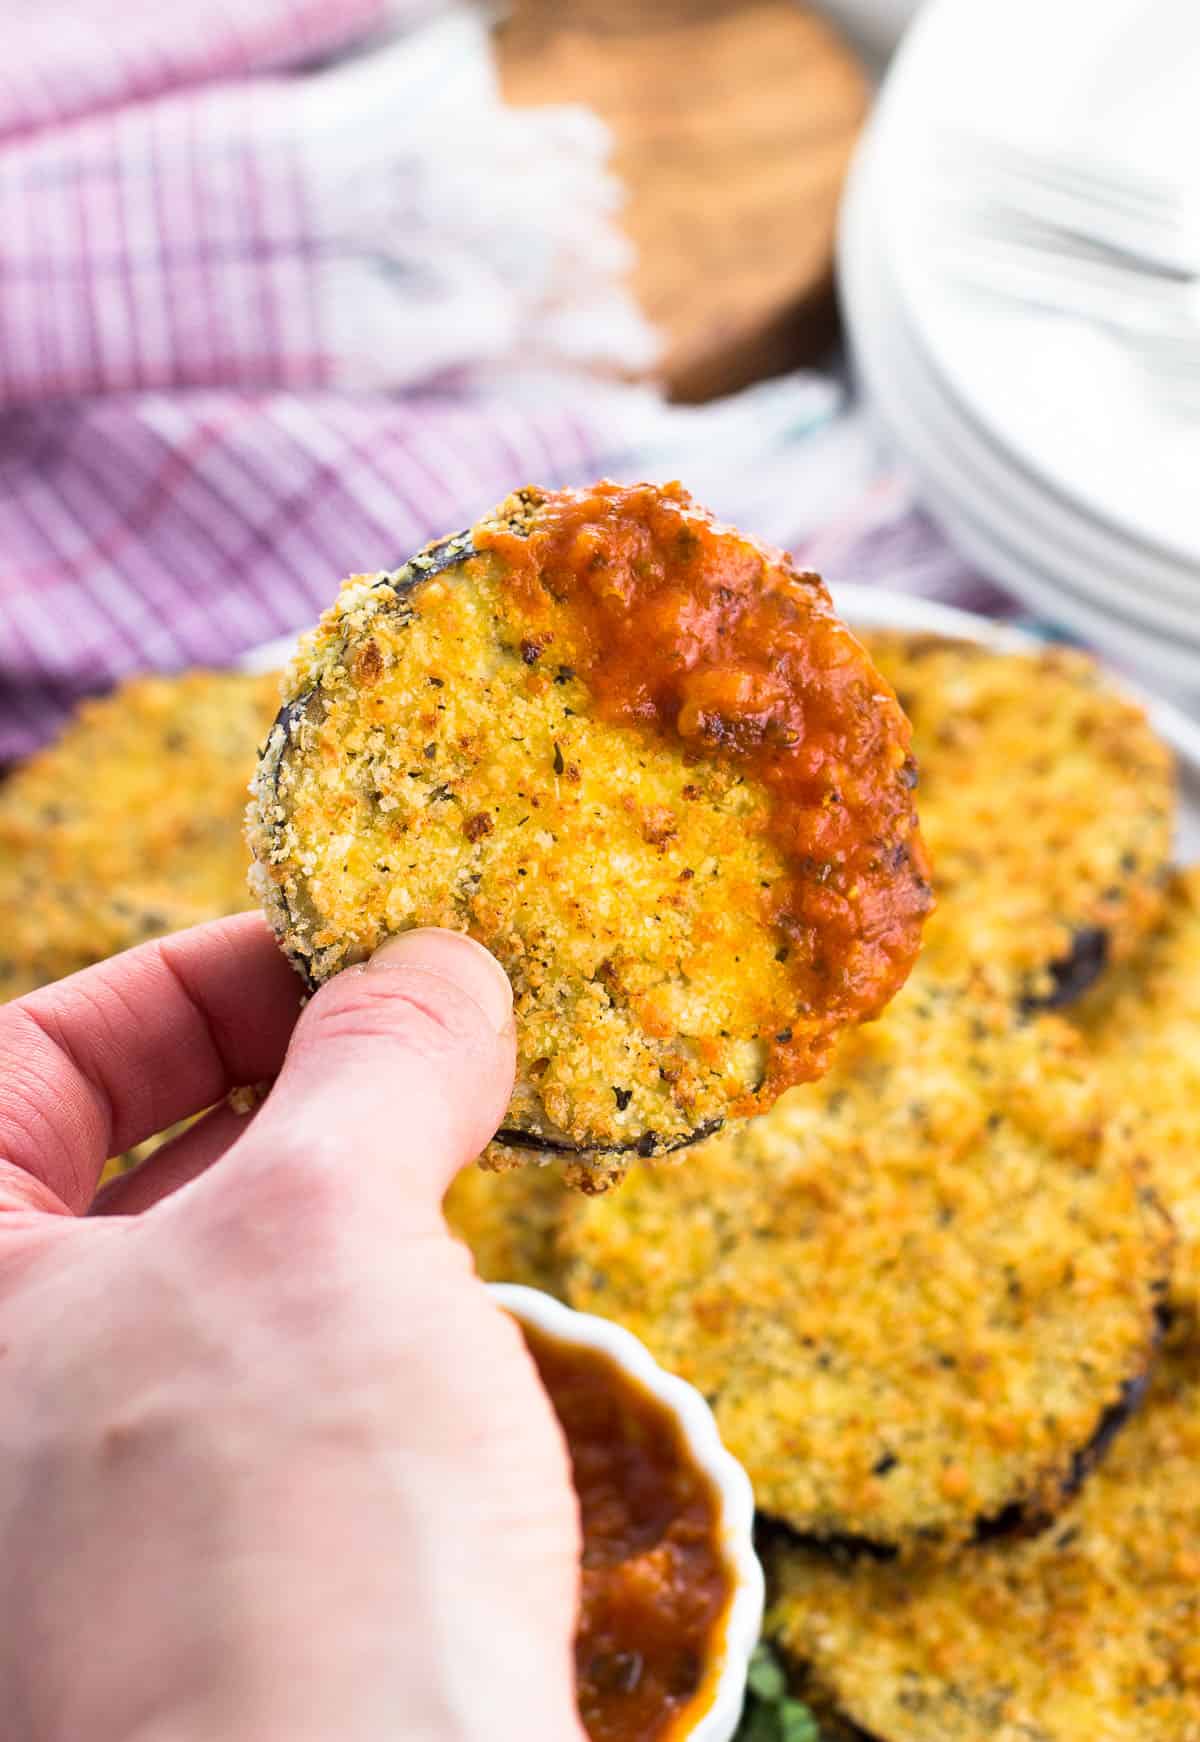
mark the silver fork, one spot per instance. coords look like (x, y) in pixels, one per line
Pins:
(1086, 239)
(1146, 218)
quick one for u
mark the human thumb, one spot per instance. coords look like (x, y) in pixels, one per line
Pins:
(406, 1062)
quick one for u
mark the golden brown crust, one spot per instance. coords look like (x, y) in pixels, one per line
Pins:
(510, 1222)
(1047, 805)
(442, 760)
(1142, 1025)
(911, 1291)
(129, 826)
(1091, 1630)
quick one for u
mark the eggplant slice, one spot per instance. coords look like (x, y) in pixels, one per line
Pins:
(1142, 1026)
(1088, 1630)
(500, 737)
(1015, 1520)
(1047, 804)
(130, 825)
(917, 1293)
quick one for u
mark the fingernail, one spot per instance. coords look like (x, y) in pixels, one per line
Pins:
(455, 957)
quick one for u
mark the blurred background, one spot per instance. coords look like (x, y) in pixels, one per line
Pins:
(911, 288)
(288, 287)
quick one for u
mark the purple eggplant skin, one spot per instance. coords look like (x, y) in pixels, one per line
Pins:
(647, 1145)
(1075, 973)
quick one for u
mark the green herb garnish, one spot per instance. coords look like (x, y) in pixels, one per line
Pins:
(770, 1713)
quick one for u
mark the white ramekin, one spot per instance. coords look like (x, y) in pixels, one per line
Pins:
(725, 1682)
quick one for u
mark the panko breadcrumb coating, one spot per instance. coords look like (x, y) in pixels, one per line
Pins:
(510, 1222)
(1142, 1025)
(129, 826)
(636, 755)
(1046, 803)
(1087, 1633)
(915, 1293)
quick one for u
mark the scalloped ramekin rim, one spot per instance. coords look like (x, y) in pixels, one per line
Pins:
(743, 1618)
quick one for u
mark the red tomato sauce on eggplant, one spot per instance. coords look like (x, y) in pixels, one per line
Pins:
(655, 1587)
(689, 629)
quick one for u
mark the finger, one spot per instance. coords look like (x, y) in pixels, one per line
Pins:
(175, 1164)
(106, 1058)
(398, 1071)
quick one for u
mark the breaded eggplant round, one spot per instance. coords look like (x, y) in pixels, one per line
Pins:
(916, 1294)
(1047, 805)
(510, 1222)
(636, 755)
(1087, 1633)
(130, 825)
(1142, 1025)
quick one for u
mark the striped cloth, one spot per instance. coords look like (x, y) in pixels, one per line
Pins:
(263, 322)
(74, 57)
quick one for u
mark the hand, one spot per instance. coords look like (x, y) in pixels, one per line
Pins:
(273, 1466)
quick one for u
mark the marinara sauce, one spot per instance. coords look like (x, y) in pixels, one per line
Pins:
(655, 1587)
(693, 631)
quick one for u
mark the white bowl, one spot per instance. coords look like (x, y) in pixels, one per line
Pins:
(743, 1618)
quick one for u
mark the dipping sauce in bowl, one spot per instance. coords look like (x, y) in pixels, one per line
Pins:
(671, 1595)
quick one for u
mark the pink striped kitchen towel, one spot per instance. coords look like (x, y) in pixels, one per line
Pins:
(286, 290)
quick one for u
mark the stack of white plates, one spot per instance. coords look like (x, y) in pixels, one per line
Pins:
(1053, 459)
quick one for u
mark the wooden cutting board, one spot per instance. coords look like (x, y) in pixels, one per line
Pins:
(733, 124)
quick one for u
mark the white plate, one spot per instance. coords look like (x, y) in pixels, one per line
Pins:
(1070, 566)
(876, 608)
(1059, 398)
(268, 655)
